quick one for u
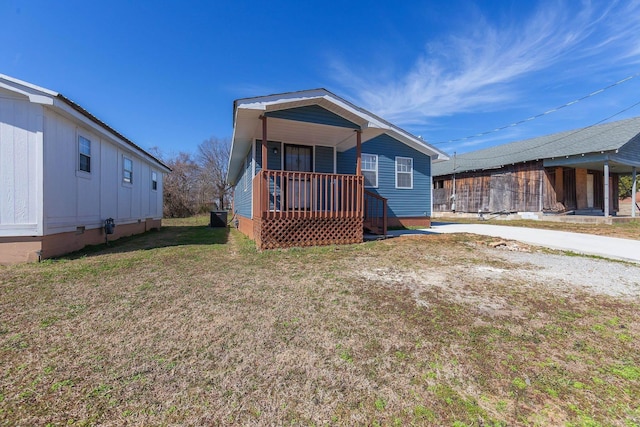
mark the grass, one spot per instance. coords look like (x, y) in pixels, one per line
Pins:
(191, 326)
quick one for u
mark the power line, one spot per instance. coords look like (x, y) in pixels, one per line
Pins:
(560, 138)
(599, 91)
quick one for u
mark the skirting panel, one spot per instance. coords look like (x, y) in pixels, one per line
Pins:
(296, 232)
(24, 249)
(245, 225)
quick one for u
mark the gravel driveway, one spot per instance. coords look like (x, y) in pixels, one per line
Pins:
(590, 274)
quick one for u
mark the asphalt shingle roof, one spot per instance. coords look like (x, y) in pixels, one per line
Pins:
(592, 139)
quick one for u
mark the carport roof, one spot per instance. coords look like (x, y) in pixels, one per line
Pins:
(605, 138)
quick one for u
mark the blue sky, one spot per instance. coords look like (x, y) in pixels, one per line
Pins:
(165, 73)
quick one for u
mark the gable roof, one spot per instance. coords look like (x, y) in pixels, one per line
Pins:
(345, 117)
(608, 137)
(59, 102)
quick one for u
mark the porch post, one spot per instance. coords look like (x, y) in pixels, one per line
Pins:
(634, 185)
(358, 152)
(606, 188)
(264, 142)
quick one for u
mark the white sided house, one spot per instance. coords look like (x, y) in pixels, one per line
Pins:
(63, 173)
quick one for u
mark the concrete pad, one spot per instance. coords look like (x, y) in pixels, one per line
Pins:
(589, 244)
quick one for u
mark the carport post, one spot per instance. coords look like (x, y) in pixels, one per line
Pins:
(606, 188)
(634, 185)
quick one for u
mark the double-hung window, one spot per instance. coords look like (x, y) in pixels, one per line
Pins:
(154, 180)
(84, 154)
(370, 170)
(127, 170)
(404, 172)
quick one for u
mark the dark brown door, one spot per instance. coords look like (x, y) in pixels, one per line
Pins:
(298, 158)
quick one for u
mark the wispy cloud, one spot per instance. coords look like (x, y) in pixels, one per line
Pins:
(483, 67)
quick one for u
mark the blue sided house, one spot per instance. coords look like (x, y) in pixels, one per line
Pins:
(310, 168)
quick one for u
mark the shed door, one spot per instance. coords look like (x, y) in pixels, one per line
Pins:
(500, 192)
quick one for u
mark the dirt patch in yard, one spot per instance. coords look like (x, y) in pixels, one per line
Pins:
(192, 326)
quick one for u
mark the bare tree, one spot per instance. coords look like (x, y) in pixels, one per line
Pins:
(181, 187)
(213, 158)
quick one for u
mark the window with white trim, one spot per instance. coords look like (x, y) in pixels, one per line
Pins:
(154, 180)
(84, 154)
(404, 172)
(370, 170)
(127, 170)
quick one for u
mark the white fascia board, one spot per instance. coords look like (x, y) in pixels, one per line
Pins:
(16, 82)
(36, 97)
(261, 102)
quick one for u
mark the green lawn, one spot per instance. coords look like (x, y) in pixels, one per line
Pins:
(191, 326)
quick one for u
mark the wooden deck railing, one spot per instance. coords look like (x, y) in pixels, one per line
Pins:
(375, 213)
(287, 194)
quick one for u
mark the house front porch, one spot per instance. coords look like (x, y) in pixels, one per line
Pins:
(307, 209)
(299, 172)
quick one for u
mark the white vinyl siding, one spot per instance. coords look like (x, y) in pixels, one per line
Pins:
(404, 172)
(370, 170)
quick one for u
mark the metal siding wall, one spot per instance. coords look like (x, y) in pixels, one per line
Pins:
(20, 124)
(88, 199)
(313, 114)
(109, 181)
(60, 157)
(401, 202)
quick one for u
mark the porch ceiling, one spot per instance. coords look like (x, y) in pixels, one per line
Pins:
(303, 133)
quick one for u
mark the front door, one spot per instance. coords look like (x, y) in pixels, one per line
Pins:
(298, 158)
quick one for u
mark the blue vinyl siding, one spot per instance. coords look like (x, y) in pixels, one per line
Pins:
(401, 202)
(324, 159)
(274, 155)
(313, 114)
(241, 197)
(274, 162)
